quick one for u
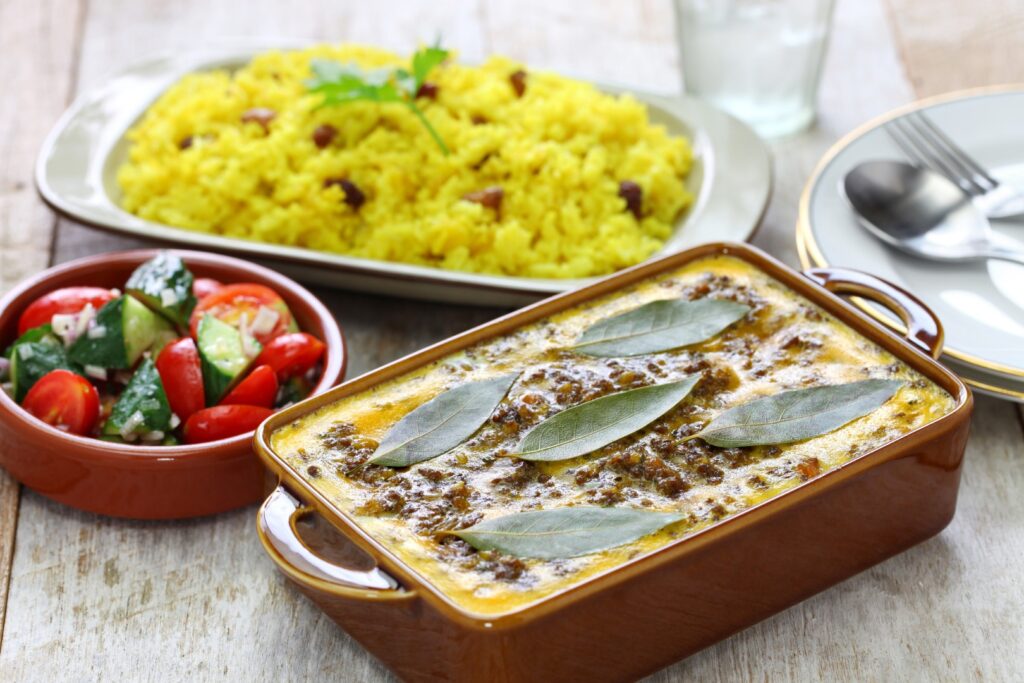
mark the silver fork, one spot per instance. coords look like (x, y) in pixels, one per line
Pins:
(926, 145)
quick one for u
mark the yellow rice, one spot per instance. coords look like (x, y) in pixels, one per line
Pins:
(558, 153)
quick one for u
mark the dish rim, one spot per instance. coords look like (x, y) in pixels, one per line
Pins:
(811, 256)
(84, 210)
(415, 584)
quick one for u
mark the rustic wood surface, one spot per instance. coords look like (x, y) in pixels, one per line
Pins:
(86, 598)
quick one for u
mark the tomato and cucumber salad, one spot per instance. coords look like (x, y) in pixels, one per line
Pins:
(170, 359)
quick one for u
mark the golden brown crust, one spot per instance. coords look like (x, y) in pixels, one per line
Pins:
(783, 343)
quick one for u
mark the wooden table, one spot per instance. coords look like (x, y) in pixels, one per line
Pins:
(86, 598)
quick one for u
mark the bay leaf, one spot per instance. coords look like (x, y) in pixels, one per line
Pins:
(565, 532)
(442, 423)
(588, 426)
(659, 326)
(797, 415)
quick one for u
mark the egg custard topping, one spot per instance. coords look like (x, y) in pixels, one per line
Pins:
(532, 461)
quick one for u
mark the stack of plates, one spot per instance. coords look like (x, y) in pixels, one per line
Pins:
(981, 304)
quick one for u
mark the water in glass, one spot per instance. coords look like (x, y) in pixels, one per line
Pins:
(757, 59)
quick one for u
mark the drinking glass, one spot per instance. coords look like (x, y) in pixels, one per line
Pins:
(760, 60)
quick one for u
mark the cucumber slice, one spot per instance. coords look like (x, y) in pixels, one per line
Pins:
(30, 361)
(165, 285)
(142, 407)
(129, 329)
(108, 350)
(144, 330)
(43, 333)
(221, 356)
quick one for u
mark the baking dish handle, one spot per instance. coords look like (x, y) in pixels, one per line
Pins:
(275, 523)
(923, 328)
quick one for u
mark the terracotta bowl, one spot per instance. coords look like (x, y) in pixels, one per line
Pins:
(146, 482)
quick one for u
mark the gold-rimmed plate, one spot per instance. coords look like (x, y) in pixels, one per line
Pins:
(981, 304)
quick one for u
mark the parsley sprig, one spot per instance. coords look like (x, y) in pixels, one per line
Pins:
(344, 83)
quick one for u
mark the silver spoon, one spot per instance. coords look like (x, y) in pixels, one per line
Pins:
(923, 213)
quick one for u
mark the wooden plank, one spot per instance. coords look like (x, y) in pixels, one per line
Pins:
(630, 43)
(946, 610)
(138, 30)
(948, 45)
(44, 36)
(10, 497)
(897, 620)
(860, 52)
(867, 628)
(102, 599)
(637, 47)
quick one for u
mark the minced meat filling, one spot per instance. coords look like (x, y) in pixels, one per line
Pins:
(783, 343)
(653, 463)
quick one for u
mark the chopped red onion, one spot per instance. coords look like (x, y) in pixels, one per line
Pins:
(96, 372)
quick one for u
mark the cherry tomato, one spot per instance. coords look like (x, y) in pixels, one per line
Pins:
(231, 302)
(258, 389)
(64, 300)
(292, 354)
(221, 422)
(182, 377)
(204, 286)
(65, 400)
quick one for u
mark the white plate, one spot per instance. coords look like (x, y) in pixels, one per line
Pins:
(75, 173)
(981, 304)
(988, 383)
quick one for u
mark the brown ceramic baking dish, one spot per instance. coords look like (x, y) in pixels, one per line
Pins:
(134, 480)
(660, 607)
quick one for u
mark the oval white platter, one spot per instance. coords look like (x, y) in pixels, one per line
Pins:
(76, 168)
(981, 304)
